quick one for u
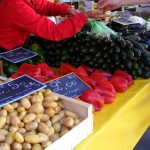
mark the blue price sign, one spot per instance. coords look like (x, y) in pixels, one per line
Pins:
(69, 85)
(17, 55)
(18, 88)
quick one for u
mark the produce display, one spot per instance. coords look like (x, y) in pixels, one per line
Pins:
(35, 121)
(105, 53)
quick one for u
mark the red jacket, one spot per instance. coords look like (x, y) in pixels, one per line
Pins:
(20, 18)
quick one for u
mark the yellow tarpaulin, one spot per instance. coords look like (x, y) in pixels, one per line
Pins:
(120, 125)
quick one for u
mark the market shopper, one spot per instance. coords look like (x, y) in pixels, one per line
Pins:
(114, 4)
(20, 18)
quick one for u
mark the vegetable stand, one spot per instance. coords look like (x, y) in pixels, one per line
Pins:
(121, 124)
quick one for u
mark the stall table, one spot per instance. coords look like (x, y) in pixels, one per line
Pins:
(120, 125)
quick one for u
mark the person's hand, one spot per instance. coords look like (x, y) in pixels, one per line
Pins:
(109, 4)
(95, 14)
(72, 11)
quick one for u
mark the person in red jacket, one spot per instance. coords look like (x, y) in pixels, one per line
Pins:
(20, 18)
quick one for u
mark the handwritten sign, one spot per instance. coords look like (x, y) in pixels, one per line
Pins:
(17, 55)
(18, 88)
(69, 85)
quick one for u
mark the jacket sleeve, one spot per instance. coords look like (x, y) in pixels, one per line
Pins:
(48, 8)
(27, 20)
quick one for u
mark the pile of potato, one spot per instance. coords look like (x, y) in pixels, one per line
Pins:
(35, 121)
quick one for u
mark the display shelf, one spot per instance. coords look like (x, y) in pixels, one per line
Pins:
(120, 125)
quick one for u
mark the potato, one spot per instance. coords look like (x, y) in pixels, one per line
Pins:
(57, 109)
(64, 130)
(22, 114)
(26, 146)
(21, 125)
(48, 123)
(54, 137)
(15, 105)
(2, 138)
(36, 108)
(49, 104)
(40, 94)
(37, 147)
(3, 112)
(8, 119)
(6, 127)
(37, 120)
(71, 114)
(68, 121)
(31, 126)
(51, 97)
(50, 112)
(18, 137)
(4, 146)
(22, 130)
(16, 146)
(20, 109)
(51, 131)
(47, 92)
(2, 121)
(3, 132)
(62, 113)
(13, 128)
(61, 104)
(36, 99)
(9, 108)
(9, 138)
(43, 117)
(57, 127)
(32, 138)
(25, 103)
(46, 144)
(29, 117)
(43, 128)
(43, 137)
(14, 113)
(55, 119)
(15, 121)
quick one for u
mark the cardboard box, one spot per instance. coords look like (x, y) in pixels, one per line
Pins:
(79, 132)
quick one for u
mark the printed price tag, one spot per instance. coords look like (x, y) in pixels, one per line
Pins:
(17, 55)
(18, 88)
(69, 85)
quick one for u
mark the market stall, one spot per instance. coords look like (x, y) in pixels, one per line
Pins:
(109, 62)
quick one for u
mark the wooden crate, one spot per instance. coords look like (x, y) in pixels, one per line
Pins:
(79, 132)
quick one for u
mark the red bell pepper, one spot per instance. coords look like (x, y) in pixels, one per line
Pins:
(120, 84)
(87, 69)
(45, 69)
(88, 81)
(66, 68)
(14, 75)
(107, 91)
(108, 75)
(41, 78)
(125, 75)
(98, 76)
(29, 69)
(93, 97)
(80, 71)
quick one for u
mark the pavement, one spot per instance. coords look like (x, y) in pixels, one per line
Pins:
(144, 142)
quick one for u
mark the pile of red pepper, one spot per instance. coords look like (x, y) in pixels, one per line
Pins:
(104, 85)
(41, 72)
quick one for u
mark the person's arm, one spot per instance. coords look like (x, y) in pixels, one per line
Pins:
(114, 4)
(27, 20)
(48, 8)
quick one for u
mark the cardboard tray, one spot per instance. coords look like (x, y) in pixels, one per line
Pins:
(79, 132)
